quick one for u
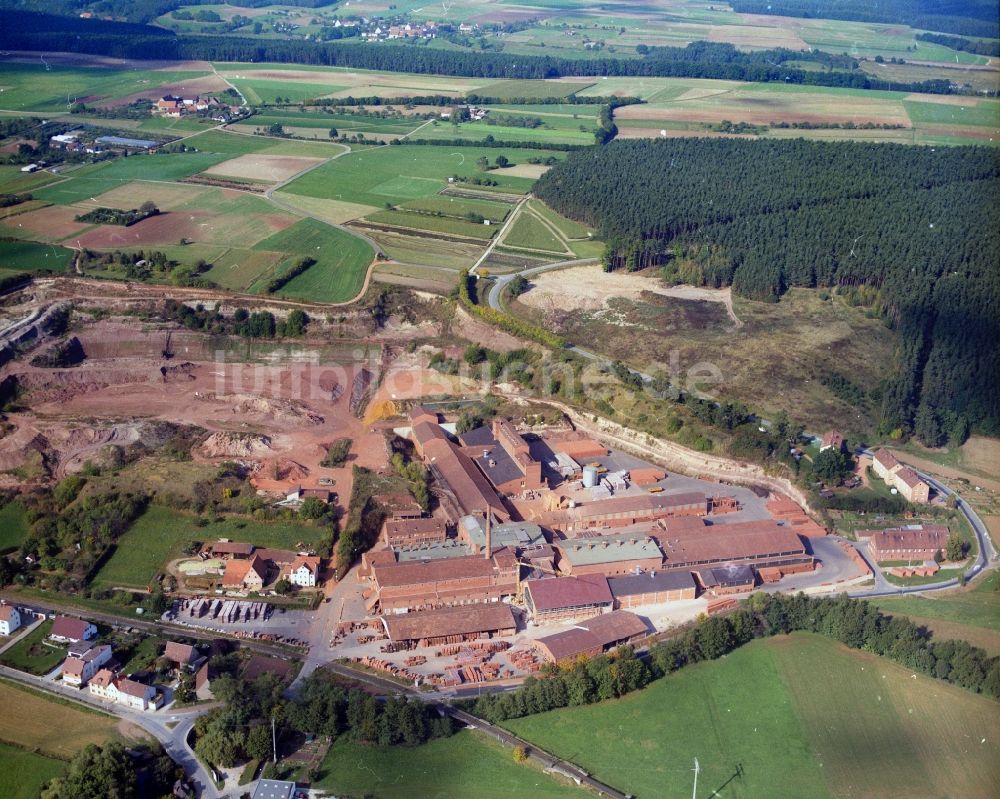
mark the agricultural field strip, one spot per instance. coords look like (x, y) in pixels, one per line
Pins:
(522, 227)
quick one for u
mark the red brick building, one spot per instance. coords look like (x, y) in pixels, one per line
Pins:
(592, 637)
(413, 532)
(652, 588)
(450, 625)
(917, 543)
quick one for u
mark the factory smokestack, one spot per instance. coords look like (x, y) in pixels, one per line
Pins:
(489, 534)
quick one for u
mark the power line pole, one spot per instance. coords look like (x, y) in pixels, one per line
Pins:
(274, 743)
(696, 770)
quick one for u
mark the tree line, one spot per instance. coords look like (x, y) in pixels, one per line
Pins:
(919, 226)
(32, 31)
(854, 623)
(969, 17)
(979, 47)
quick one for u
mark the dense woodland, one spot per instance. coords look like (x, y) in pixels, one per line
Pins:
(966, 17)
(911, 231)
(31, 31)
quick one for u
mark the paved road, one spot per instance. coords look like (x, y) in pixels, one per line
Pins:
(150, 625)
(155, 722)
(986, 556)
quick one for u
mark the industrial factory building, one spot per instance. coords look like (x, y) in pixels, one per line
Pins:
(451, 625)
(562, 598)
(592, 637)
(608, 555)
(652, 588)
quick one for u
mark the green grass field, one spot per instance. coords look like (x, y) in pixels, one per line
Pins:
(161, 534)
(798, 717)
(402, 172)
(435, 224)
(27, 256)
(534, 88)
(459, 206)
(13, 524)
(977, 606)
(467, 764)
(32, 655)
(24, 773)
(569, 228)
(41, 87)
(89, 181)
(478, 131)
(532, 234)
(341, 261)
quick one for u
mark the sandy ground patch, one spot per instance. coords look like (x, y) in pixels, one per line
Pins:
(47, 224)
(334, 211)
(525, 170)
(588, 288)
(187, 87)
(201, 226)
(982, 453)
(271, 168)
(943, 99)
(167, 197)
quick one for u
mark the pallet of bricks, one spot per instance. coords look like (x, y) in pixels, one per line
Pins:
(525, 660)
(386, 666)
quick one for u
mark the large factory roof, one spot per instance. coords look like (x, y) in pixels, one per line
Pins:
(608, 549)
(569, 592)
(457, 620)
(470, 489)
(654, 581)
(593, 635)
(436, 550)
(730, 542)
(633, 503)
(430, 571)
(508, 534)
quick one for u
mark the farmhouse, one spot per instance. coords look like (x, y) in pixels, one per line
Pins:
(77, 671)
(561, 598)
(450, 625)
(68, 630)
(592, 637)
(10, 619)
(446, 581)
(247, 575)
(885, 464)
(231, 549)
(915, 543)
(832, 439)
(652, 588)
(133, 694)
(906, 481)
(413, 532)
(180, 655)
(303, 571)
(608, 554)
(627, 510)
(909, 484)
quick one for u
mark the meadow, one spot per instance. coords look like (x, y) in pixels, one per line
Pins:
(848, 723)
(435, 224)
(54, 728)
(13, 525)
(27, 256)
(161, 534)
(403, 172)
(53, 87)
(24, 772)
(33, 656)
(444, 768)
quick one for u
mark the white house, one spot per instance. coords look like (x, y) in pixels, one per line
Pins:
(135, 695)
(78, 671)
(303, 571)
(10, 619)
(69, 630)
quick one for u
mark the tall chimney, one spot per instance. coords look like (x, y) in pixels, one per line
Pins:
(489, 534)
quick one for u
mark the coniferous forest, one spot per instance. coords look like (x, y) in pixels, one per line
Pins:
(913, 230)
